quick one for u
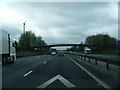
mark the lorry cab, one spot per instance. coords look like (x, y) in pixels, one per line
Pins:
(12, 50)
(11, 56)
(7, 49)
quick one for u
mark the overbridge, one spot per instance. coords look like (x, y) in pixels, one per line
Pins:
(56, 45)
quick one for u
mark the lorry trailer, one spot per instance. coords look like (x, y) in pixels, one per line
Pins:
(7, 48)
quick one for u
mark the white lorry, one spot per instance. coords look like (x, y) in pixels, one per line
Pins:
(7, 49)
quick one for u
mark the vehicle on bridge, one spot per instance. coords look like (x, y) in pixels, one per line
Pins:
(87, 50)
(7, 48)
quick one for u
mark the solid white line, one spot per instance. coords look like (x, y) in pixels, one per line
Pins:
(59, 77)
(28, 73)
(93, 76)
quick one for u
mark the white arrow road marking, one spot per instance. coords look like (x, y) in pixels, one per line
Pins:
(93, 76)
(28, 73)
(59, 77)
(65, 82)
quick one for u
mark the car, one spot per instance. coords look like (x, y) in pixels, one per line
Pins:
(47, 52)
(60, 53)
(53, 53)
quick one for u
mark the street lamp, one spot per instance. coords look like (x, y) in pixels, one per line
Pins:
(24, 33)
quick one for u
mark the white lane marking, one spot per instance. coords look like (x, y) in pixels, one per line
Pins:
(59, 77)
(93, 76)
(66, 82)
(28, 73)
(44, 62)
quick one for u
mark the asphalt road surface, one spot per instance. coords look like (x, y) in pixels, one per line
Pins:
(47, 71)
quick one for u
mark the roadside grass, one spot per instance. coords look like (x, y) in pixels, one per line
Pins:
(81, 52)
(109, 52)
(26, 53)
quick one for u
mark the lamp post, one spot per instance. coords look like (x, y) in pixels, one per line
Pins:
(24, 33)
(24, 27)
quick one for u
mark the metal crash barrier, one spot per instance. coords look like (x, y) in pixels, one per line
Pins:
(101, 59)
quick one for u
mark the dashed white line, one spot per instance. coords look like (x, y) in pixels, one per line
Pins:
(44, 62)
(28, 73)
(93, 76)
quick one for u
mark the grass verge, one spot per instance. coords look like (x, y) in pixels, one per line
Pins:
(27, 53)
(109, 52)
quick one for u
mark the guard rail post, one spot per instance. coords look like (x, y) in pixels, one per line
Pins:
(95, 62)
(107, 66)
(89, 60)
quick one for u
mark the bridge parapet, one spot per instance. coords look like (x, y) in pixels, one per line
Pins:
(56, 45)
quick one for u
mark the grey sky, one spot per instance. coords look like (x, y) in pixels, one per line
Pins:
(60, 22)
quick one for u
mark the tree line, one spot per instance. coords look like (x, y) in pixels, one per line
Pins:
(103, 42)
(28, 40)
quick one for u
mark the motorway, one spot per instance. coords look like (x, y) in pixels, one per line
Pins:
(52, 71)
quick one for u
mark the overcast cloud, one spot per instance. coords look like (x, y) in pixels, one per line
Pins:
(60, 22)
